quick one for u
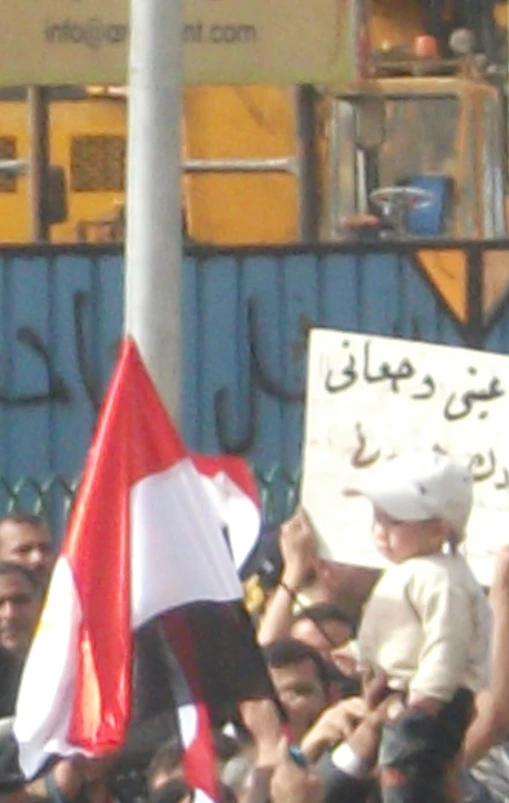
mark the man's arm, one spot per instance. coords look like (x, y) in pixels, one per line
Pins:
(337, 723)
(261, 718)
(350, 779)
(298, 550)
(491, 722)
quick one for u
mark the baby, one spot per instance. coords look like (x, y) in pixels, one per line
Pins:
(426, 625)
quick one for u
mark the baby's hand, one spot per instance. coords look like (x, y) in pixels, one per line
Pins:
(346, 663)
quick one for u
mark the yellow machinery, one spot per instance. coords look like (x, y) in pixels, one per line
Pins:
(435, 169)
(87, 139)
(243, 154)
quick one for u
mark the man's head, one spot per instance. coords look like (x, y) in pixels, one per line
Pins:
(166, 766)
(19, 607)
(420, 500)
(301, 681)
(323, 626)
(25, 539)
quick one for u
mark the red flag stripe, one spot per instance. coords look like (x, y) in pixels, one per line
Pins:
(236, 468)
(144, 539)
(199, 763)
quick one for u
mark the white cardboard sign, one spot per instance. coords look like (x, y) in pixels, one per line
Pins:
(370, 398)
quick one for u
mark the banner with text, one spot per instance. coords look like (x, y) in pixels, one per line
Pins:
(371, 398)
(285, 42)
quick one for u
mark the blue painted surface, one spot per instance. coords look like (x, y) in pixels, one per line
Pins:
(245, 320)
(65, 312)
(281, 299)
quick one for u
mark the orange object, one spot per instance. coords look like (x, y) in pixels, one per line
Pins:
(425, 47)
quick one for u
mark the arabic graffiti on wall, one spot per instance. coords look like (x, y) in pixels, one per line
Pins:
(245, 325)
(371, 398)
(61, 320)
(54, 387)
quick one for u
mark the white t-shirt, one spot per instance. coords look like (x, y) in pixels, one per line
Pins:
(427, 626)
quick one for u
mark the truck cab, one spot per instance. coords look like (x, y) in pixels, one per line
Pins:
(420, 156)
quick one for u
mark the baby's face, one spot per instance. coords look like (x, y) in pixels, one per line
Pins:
(400, 540)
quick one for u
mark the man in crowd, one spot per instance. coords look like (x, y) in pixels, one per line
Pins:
(306, 582)
(19, 608)
(19, 611)
(301, 681)
(323, 626)
(25, 539)
(490, 725)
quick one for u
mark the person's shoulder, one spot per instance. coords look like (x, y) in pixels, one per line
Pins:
(444, 572)
(425, 566)
(438, 564)
(427, 573)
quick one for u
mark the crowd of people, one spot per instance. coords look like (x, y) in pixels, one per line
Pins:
(389, 685)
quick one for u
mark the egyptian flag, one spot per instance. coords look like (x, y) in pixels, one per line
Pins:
(145, 554)
(232, 489)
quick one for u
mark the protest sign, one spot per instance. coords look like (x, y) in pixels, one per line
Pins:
(371, 398)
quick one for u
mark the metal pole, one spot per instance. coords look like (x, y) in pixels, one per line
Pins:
(39, 161)
(309, 195)
(154, 219)
(288, 164)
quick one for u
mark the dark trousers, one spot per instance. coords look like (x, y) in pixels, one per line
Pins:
(417, 750)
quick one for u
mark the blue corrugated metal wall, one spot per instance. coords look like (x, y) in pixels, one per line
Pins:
(245, 335)
(60, 319)
(245, 319)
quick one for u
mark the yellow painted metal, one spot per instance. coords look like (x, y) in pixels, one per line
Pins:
(14, 205)
(78, 120)
(447, 270)
(71, 123)
(252, 122)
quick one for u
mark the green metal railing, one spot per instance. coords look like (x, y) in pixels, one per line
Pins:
(52, 498)
(279, 493)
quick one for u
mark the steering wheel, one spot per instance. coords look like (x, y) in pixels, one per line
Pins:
(396, 203)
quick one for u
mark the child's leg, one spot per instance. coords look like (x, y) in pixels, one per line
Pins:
(416, 752)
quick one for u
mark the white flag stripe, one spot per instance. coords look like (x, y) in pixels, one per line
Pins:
(237, 512)
(168, 572)
(188, 724)
(144, 540)
(45, 698)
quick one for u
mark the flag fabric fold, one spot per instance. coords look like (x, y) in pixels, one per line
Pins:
(144, 545)
(232, 489)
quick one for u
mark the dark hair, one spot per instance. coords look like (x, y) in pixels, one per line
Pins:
(7, 567)
(177, 790)
(166, 759)
(171, 792)
(225, 747)
(324, 612)
(286, 651)
(226, 793)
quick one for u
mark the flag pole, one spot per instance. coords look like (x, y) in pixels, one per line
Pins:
(153, 215)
